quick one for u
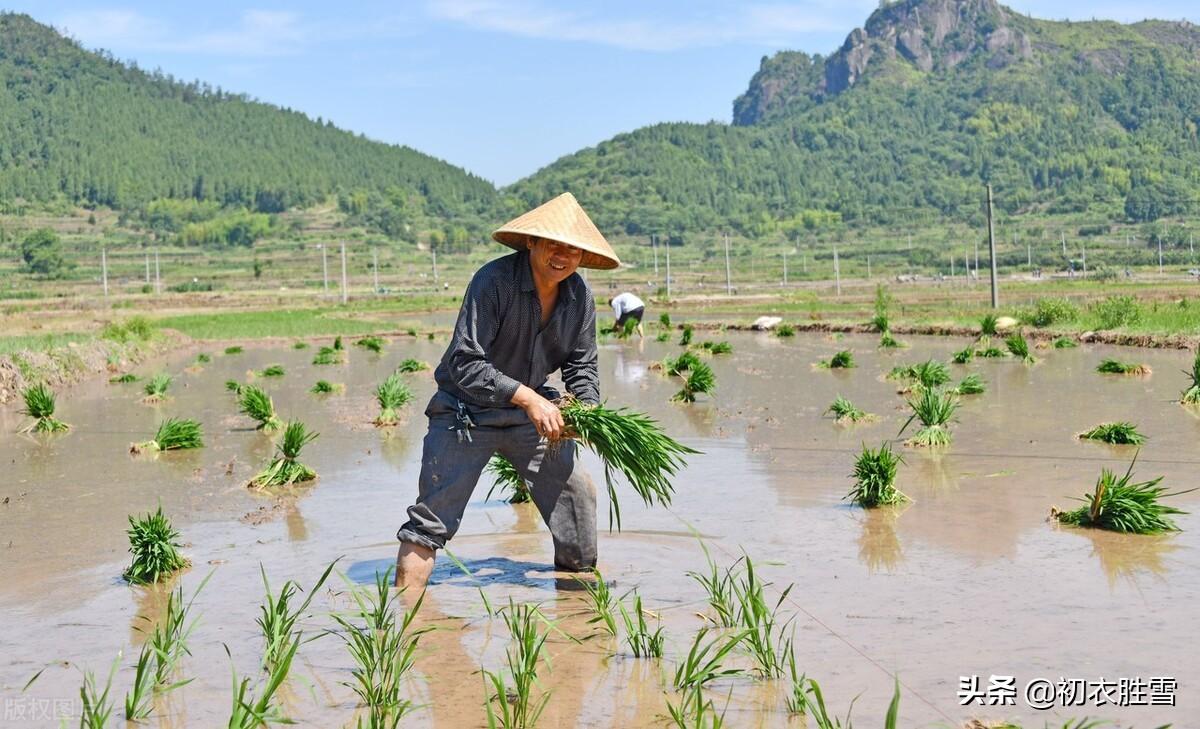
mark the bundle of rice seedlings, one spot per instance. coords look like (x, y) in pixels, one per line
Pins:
(285, 470)
(325, 387)
(327, 356)
(987, 325)
(683, 363)
(337, 344)
(972, 384)
(883, 301)
(1118, 433)
(173, 434)
(627, 330)
(274, 370)
(935, 410)
(630, 443)
(39, 405)
(963, 356)
(930, 373)
(1121, 505)
(662, 337)
(887, 341)
(507, 478)
(846, 412)
(875, 478)
(700, 380)
(154, 544)
(664, 319)
(235, 349)
(1019, 347)
(203, 358)
(1065, 343)
(233, 386)
(392, 394)
(718, 347)
(686, 338)
(300, 345)
(1110, 366)
(987, 350)
(412, 365)
(841, 360)
(785, 330)
(156, 388)
(374, 344)
(256, 403)
(1191, 395)
(124, 379)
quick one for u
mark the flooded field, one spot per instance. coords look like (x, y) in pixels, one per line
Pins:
(969, 579)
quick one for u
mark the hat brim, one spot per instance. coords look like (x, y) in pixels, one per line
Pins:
(592, 256)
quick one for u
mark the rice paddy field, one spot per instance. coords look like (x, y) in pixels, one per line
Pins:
(967, 575)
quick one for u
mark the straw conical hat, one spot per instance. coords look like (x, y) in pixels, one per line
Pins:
(562, 220)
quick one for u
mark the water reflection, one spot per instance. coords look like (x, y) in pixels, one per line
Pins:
(1130, 557)
(878, 546)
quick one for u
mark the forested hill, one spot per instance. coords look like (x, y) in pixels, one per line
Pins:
(82, 125)
(907, 120)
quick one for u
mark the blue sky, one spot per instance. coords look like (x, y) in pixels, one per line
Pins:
(501, 88)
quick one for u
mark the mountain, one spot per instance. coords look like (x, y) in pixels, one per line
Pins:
(83, 126)
(907, 120)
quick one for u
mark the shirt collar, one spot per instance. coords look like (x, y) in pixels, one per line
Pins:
(525, 277)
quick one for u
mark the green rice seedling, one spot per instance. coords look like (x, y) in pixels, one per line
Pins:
(392, 394)
(601, 601)
(156, 388)
(96, 705)
(274, 370)
(627, 330)
(987, 350)
(1110, 366)
(139, 702)
(412, 365)
(841, 360)
(1019, 348)
(972, 384)
(1191, 395)
(169, 639)
(683, 363)
(694, 711)
(664, 320)
(519, 708)
(883, 302)
(700, 381)
(325, 387)
(507, 478)
(718, 585)
(337, 343)
(154, 544)
(935, 410)
(173, 434)
(39, 405)
(300, 345)
(662, 337)
(703, 663)
(203, 358)
(249, 712)
(760, 621)
(887, 341)
(796, 701)
(642, 642)
(718, 347)
(929, 374)
(233, 386)
(123, 379)
(875, 478)
(1065, 343)
(277, 618)
(686, 337)
(987, 325)
(258, 405)
(845, 411)
(1118, 433)
(785, 330)
(630, 443)
(327, 356)
(963, 356)
(235, 349)
(1121, 505)
(814, 701)
(373, 344)
(285, 470)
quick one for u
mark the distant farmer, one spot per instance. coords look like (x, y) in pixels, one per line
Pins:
(627, 306)
(523, 317)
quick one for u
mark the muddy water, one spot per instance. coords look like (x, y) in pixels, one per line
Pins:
(969, 579)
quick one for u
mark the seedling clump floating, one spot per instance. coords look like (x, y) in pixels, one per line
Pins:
(1111, 366)
(374, 344)
(233, 350)
(935, 410)
(325, 387)
(785, 330)
(256, 403)
(1019, 347)
(272, 371)
(392, 394)
(154, 544)
(846, 412)
(39, 405)
(1119, 433)
(1120, 504)
(123, 379)
(875, 478)
(173, 434)
(841, 360)
(686, 338)
(963, 356)
(700, 380)
(412, 365)
(156, 388)
(286, 470)
(1065, 343)
(972, 384)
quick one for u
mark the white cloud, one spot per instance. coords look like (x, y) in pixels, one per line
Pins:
(256, 33)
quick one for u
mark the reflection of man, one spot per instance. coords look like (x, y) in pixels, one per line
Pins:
(628, 306)
(523, 317)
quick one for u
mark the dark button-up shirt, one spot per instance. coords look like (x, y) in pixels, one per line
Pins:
(499, 342)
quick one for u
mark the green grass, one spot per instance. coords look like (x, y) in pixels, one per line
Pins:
(273, 323)
(285, 469)
(972, 384)
(173, 434)
(506, 478)
(1119, 433)
(1122, 505)
(934, 410)
(254, 402)
(1065, 343)
(41, 342)
(154, 544)
(845, 411)
(40, 403)
(875, 478)
(601, 602)
(156, 388)
(1110, 366)
(392, 394)
(642, 642)
(700, 380)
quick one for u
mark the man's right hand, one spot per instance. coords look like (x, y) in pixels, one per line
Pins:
(544, 415)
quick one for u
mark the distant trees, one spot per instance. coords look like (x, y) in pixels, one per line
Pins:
(43, 254)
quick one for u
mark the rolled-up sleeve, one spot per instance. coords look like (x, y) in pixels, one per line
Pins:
(466, 359)
(581, 372)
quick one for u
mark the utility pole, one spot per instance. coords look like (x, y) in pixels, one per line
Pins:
(104, 269)
(654, 246)
(868, 268)
(1064, 243)
(992, 250)
(433, 255)
(729, 277)
(951, 266)
(837, 272)
(668, 270)
(157, 276)
(1084, 246)
(345, 293)
(1028, 254)
(325, 266)
(977, 257)
(375, 267)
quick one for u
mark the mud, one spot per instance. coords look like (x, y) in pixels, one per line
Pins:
(968, 579)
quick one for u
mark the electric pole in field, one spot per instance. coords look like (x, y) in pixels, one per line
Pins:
(654, 247)
(433, 255)
(991, 250)
(1064, 243)
(837, 272)
(104, 269)
(668, 270)
(345, 293)
(325, 266)
(1084, 247)
(157, 276)
(728, 275)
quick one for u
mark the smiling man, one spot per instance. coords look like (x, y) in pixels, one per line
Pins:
(523, 317)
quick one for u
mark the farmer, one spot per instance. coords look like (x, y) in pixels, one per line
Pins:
(523, 317)
(628, 306)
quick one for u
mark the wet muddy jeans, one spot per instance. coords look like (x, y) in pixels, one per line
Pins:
(450, 469)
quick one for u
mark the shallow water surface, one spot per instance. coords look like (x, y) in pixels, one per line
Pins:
(968, 579)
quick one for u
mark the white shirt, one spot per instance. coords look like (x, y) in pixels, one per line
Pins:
(625, 303)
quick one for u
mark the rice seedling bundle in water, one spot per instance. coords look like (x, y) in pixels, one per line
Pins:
(39, 405)
(392, 394)
(1122, 505)
(506, 478)
(987, 350)
(887, 341)
(272, 371)
(300, 345)
(875, 478)
(842, 360)
(1064, 343)
(325, 387)
(683, 363)
(327, 356)
(1109, 366)
(374, 344)
(934, 409)
(627, 329)
(123, 379)
(337, 343)
(845, 411)
(1118, 433)
(630, 443)
(233, 386)
(664, 320)
(156, 388)
(256, 403)
(1019, 347)
(663, 337)
(173, 434)
(987, 325)
(154, 544)
(203, 358)
(686, 338)
(234, 350)
(718, 347)
(412, 365)
(700, 380)
(1191, 395)
(963, 356)
(286, 470)
(929, 374)
(785, 330)
(883, 301)
(972, 384)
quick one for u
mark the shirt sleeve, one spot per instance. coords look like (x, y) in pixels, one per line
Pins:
(580, 372)
(616, 306)
(476, 329)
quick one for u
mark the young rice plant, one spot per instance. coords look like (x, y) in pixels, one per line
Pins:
(1109, 366)
(173, 434)
(154, 544)
(1122, 505)
(39, 405)
(412, 365)
(1019, 348)
(392, 394)
(507, 478)
(256, 403)
(285, 469)
(1191, 395)
(935, 410)
(845, 411)
(875, 478)
(156, 388)
(700, 380)
(1118, 433)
